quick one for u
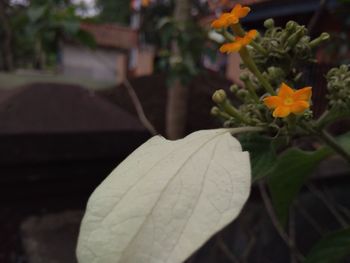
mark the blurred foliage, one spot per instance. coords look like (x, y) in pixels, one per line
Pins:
(334, 247)
(114, 11)
(190, 39)
(160, 29)
(39, 27)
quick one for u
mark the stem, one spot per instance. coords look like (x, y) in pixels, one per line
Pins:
(277, 225)
(329, 140)
(248, 61)
(251, 90)
(231, 110)
(228, 36)
(246, 129)
(139, 109)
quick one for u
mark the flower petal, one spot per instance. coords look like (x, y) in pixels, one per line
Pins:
(285, 91)
(303, 94)
(281, 111)
(249, 37)
(232, 20)
(231, 47)
(240, 11)
(252, 34)
(273, 102)
(299, 106)
(221, 21)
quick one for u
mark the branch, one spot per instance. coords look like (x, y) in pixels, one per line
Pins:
(310, 219)
(139, 109)
(231, 257)
(277, 225)
(319, 194)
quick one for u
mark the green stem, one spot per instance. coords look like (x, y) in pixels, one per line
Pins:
(258, 47)
(228, 36)
(332, 143)
(251, 90)
(248, 61)
(231, 110)
(247, 129)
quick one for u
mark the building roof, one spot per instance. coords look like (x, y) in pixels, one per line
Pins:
(47, 108)
(112, 35)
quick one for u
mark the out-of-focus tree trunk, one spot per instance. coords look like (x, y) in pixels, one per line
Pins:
(6, 46)
(176, 111)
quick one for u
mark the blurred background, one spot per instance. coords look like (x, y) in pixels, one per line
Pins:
(85, 82)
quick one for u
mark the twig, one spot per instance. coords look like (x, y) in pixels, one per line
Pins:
(277, 225)
(319, 194)
(226, 250)
(309, 219)
(248, 249)
(341, 208)
(139, 109)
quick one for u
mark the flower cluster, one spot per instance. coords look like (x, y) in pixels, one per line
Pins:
(339, 87)
(265, 94)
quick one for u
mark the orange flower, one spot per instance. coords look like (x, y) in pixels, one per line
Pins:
(289, 101)
(239, 42)
(227, 19)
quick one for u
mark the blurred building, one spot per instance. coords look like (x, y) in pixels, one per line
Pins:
(118, 54)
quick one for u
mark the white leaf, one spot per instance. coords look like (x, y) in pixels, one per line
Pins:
(166, 200)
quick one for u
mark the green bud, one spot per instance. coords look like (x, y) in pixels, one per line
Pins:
(275, 73)
(295, 37)
(325, 36)
(215, 111)
(244, 76)
(234, 88)
(219, 96)
(344, 68)
(269, 23)
(291, 25)
(242, 93)
(317, 41)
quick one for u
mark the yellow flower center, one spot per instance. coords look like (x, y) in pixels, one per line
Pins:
(288, 101)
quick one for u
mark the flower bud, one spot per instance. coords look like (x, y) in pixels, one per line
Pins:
(215, 111)
(325, 36)
(269, 23)
(244, 76)
(242, 93)
(291, 25)
(219, 96)
(234, 88)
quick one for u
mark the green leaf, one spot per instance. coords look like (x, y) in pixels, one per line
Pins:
(35, 13)
(331, 249)
(291, 171)
(262, 154)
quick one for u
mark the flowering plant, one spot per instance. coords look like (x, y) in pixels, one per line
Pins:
(270, 99)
